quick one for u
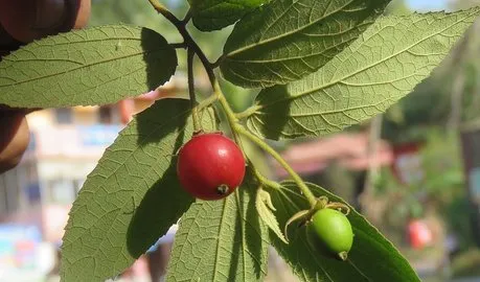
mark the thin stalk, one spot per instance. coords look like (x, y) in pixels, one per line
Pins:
(248, 112)
(207, 102)
(264, 181)
(206, 63)
(188, 17)
(298, 180)
(181, 45)
(191, 91)
(235, 127)
(165, 12)
(231, 119)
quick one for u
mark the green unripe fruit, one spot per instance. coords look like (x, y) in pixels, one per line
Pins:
(331, 230)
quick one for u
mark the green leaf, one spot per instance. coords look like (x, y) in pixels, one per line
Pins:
(132, 197)
(211, 15)
(264, 206)
(99, 65)
(377, 70)
(287, 40)
(372, 257)
(221, 241)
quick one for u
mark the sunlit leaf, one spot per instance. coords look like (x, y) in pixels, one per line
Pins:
(221, 241)
(92, 66)
(377, 70)
(287, 40)
(132, 197)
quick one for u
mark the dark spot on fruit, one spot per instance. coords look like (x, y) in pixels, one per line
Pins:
(222, 189)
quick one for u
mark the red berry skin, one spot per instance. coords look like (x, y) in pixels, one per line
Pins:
(210, 166)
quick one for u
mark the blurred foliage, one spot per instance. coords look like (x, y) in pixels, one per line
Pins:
(466, 264)
(442, 188)
(430, 104)
(137, 13)
(442, 167)
(423, 117)
(463, 4)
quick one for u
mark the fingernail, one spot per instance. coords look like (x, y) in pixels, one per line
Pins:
(49, 13)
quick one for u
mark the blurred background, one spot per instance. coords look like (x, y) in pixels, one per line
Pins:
(414, 171)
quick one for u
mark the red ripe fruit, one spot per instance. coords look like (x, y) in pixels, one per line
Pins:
(210, 166)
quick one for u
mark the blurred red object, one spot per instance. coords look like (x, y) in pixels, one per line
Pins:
(419, 234)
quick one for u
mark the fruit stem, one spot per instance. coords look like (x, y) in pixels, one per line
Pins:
(235, 127)
(180, 25)
(191, 92)
(298, 180)
(264, 181)
(231, 119)
(207, 102)
(248, 112)
(189, 41)
(180, 45)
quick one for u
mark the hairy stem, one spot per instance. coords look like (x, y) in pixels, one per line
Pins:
(298, 180)
(264, 181)
(191, 92)
(232, 119)
(181, 45)
(248, 112)
(165, 12)
(207, 102)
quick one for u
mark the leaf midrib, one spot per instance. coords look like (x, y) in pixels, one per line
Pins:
(121, 164)
(123, 207)
(103, 84)
(37, 44)
(259, 43)
(268, 61)
(217, 251)
(336, 111)
(79, 68)
(242, 231)
(332, 83)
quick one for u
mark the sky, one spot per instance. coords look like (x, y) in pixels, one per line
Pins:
(427, 5)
